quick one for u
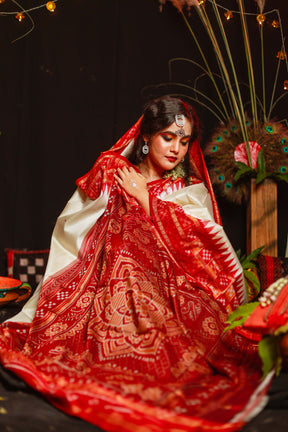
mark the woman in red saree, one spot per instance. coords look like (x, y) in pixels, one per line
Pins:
(128, 331)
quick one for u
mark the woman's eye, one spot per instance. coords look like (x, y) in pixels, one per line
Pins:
(166, 138)
(184, 143)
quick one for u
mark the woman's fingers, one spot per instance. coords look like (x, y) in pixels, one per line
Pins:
(118, 178)
(130, 180)
(125, 173)
(122, 176)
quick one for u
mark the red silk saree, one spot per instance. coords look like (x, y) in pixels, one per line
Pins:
(129, 329)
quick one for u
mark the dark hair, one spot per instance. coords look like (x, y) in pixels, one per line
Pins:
(157, 115)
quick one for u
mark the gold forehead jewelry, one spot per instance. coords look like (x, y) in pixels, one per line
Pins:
(180, 122)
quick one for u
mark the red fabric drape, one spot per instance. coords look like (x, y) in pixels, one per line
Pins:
(131, 336)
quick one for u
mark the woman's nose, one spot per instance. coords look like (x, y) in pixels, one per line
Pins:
(175, 146)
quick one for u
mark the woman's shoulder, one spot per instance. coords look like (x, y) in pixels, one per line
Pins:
(111, 157)
(102, 173)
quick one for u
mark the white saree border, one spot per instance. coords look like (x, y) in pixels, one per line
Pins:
(196, 202)
(194, 199)
(72, 226)
(257, 402)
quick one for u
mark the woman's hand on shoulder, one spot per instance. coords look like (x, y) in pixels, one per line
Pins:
(131, 181)
(134, 184)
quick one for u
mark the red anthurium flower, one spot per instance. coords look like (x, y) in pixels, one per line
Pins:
(240, 153)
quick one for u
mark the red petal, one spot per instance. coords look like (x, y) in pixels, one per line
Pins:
(240, 153)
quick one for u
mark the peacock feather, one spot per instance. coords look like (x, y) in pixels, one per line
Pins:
(219, 152)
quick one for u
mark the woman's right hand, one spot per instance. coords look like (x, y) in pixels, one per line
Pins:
(134, 184)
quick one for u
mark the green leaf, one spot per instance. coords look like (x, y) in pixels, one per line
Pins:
(261, 164)
(269, 353)
(281, 329)
(283, 177)
(261, 167)
(241, 165)
(239, 315)
(254, 254)
(260, 177)
(246, 261)
(249, 265)
(243, 169)
(239, 255)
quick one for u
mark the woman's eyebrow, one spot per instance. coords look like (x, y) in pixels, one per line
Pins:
(175, 134)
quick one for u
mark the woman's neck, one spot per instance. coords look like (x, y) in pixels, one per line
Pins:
(150, 172)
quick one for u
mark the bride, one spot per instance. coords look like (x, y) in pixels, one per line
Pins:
(127, 330)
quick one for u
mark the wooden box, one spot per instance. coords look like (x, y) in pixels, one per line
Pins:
(262, 217)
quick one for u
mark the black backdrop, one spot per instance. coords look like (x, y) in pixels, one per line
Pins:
(69, 90)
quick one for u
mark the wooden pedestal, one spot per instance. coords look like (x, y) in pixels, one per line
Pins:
(262, 217)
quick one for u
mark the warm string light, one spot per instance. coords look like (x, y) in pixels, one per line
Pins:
(20, 16)
(21, 13)
(51, 6)
(261, 18)
(228, 15)
(276, 24)
(281, 55)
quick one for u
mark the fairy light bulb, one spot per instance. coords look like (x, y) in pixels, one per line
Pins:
(50, 6)
(286, 85)
(281, 55)
(275, 24)
(228, 15)
(202, 2)
(261, 19)
(20, 16)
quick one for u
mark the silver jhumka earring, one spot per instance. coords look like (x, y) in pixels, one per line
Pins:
(180, 122)
(145, 148)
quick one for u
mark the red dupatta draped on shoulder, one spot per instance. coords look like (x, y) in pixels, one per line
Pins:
(130, 334)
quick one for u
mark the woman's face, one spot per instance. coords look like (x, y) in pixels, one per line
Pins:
(167, 148)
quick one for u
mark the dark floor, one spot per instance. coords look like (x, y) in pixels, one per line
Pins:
(23, 410)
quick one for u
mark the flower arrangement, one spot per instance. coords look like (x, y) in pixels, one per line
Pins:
(228, 163)
(248, 141)
(268, 317)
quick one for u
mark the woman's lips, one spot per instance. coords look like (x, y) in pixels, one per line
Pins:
(171, 158)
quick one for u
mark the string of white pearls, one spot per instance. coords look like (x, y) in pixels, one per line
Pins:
(270, 295)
